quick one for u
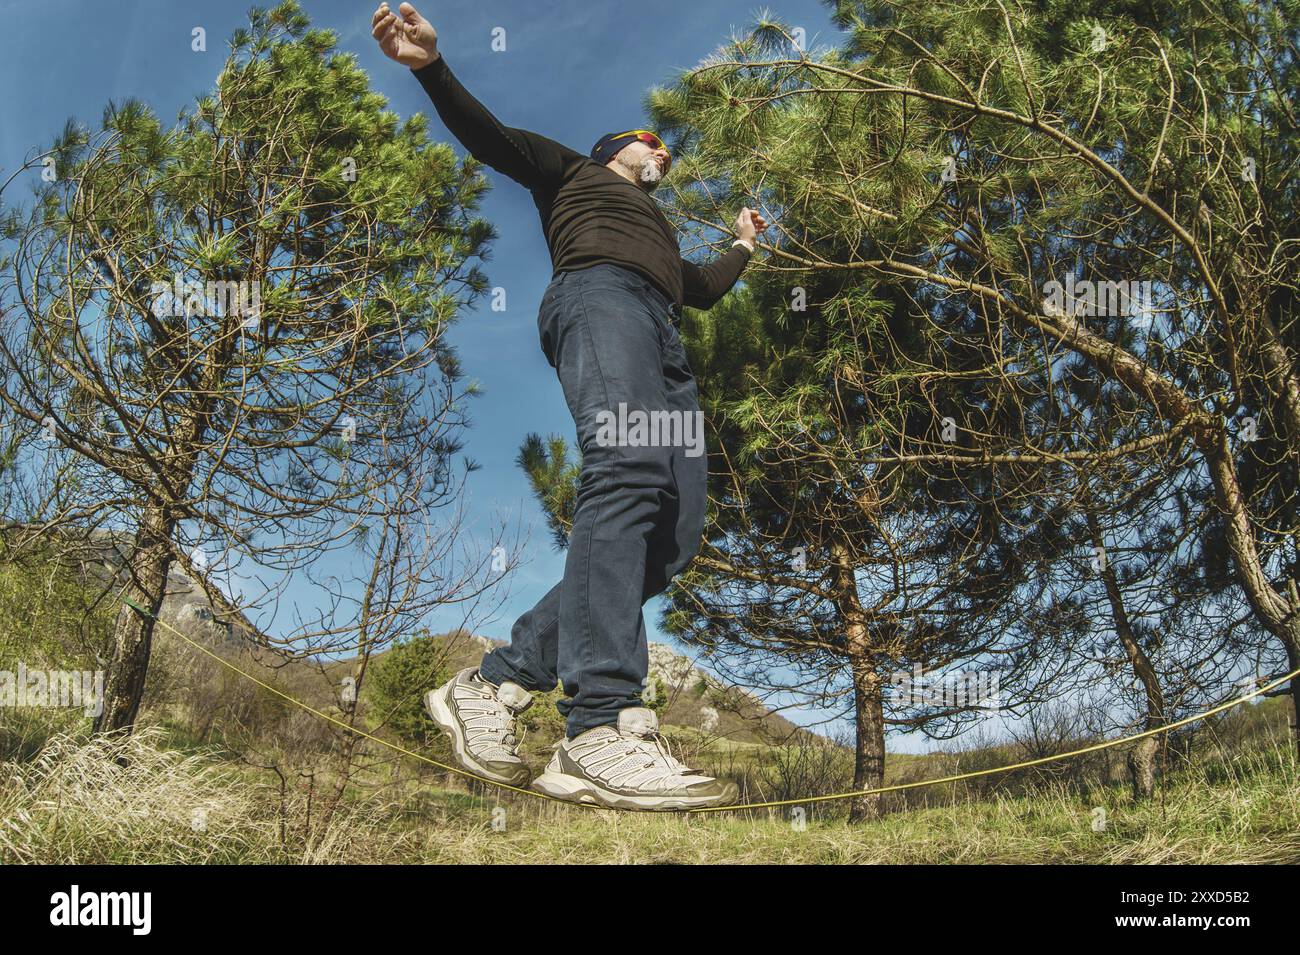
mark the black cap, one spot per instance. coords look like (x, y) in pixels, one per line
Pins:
(608, 146)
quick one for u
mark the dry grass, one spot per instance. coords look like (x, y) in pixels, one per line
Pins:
(88, 801)
(92, 800)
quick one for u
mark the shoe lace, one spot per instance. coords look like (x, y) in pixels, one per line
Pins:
(657, 747)
(505, 733)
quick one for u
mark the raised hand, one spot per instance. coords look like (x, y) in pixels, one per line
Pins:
(749, 224)
(404, 36)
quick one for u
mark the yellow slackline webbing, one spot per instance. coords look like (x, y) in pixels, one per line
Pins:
(1096, 747)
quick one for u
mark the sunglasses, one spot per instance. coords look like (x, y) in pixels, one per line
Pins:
(645, 136)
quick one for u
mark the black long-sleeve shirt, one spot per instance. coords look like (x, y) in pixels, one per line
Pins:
(591, 215)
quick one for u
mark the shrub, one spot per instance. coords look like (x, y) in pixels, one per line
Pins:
(397, 682)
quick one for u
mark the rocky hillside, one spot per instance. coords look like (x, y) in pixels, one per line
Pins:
(685, 695)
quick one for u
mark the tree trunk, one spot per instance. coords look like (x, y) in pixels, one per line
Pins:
(868, 693)
(1141, 759)
(124, 682)
(1142, 767)
(344, 776)
(1293, 663)
(869, 748)
(1280, 615)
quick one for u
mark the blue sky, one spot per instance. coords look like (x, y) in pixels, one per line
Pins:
(571, 71)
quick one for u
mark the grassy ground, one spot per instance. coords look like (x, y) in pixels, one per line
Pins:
(186, 790)
(181, 792)
(76, 802)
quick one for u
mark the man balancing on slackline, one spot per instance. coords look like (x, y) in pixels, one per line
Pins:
(608, 325)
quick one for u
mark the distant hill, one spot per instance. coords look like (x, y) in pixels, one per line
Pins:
(687, 696)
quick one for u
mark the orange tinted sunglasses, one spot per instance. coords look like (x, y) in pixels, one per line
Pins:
(648, 137)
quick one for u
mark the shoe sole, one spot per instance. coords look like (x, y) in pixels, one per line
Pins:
(573, 789)
(439, 710)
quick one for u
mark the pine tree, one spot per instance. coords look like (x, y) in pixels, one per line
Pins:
(227, 337)
(1040, 180)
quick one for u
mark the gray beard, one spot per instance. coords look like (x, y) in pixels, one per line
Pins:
(650, 173)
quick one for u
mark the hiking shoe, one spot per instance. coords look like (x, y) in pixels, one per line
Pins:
(628, 766)
(480, 719)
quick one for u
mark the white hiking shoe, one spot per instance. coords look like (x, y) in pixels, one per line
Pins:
(629, 767)
(480, 719)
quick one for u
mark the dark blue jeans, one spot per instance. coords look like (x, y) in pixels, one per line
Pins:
(611, 338)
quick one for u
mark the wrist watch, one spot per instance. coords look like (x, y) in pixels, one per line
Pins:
(746, 244)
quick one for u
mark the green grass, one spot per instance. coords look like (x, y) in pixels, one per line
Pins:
(77, 803)
(171, 794)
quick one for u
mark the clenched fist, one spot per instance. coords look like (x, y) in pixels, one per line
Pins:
(404, 36)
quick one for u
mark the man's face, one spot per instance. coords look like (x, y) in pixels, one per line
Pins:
(645, 164)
